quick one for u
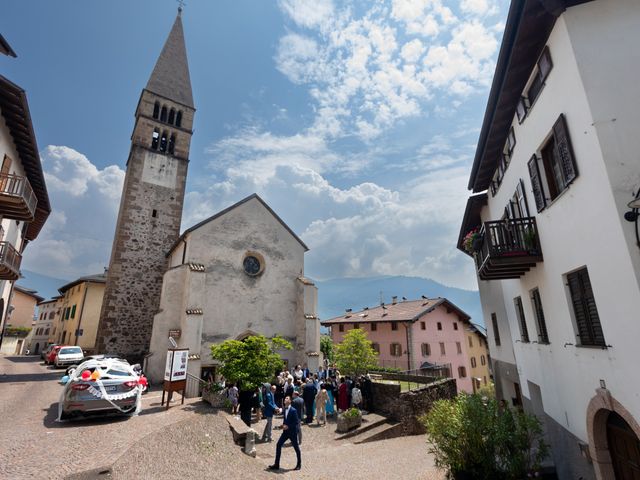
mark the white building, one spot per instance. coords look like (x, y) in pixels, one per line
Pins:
(44, 327)
(24, 202)
(557, 163)
(237, 273)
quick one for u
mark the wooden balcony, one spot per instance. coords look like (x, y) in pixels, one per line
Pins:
(10, 260)
(508, 248)
(17, 199)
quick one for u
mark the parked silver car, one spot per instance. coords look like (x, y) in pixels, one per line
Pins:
(69, 356)
(101, 386)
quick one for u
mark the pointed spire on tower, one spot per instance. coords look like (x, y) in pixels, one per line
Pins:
(170, 77)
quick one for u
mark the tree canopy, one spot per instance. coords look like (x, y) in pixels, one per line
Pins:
(355, 355)
(326, 347)
(250, 362)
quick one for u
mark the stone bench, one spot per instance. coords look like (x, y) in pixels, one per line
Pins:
(243, 435)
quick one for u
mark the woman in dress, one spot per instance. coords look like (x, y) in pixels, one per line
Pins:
(343, 396)
(328, 386)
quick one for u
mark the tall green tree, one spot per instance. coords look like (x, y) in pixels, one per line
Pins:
(355, 355)
(252, 361)
(326, 347)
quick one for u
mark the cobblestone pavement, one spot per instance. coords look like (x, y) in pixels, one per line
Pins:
(34, 446)
(189, 441)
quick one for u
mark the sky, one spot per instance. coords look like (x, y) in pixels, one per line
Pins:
(356, 121)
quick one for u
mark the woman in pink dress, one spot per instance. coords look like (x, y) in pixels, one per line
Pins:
(343, 399)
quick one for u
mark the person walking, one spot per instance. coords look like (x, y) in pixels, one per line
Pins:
(309, 395)
(290, 427)
(298, 404)
(269, 410)
(321, 401)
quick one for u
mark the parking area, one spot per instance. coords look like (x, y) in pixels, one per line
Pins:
(34, 445)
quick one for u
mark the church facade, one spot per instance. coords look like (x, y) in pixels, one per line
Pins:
(236, 274)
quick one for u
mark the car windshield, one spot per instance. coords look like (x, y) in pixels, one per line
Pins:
(68, 350)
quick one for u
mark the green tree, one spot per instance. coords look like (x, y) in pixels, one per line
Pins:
(250, 362)
(326, 347)
(355, 355)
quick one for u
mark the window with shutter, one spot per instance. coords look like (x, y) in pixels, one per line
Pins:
(524, 332)
(496, 331)
(522, 108)
(536, 184)
(545, 64)
(585, 310)
(536, 302)
(563, 152)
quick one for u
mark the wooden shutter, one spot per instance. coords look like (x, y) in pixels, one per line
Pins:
(536, 183)
(524, 331)
(543, 335)
(545, 64)
(496, 331)
(563, 151)
(521, 109)
(585, 310)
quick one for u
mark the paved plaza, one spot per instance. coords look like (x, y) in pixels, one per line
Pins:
(191, 440)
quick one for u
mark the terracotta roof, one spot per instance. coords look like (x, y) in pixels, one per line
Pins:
(170, 77)
(528, 26)
(405, 311)
(99, 278)
(227, 210)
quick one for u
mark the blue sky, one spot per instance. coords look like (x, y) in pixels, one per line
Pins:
(356, 121)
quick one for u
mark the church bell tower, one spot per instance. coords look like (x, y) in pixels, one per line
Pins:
(151, 203)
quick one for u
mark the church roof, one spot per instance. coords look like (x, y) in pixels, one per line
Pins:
(232, 207)
(170, 77)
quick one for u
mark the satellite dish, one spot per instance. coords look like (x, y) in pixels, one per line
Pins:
(172, 343)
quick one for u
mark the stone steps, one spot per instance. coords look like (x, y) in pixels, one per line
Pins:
(369, 421)
(380, 432)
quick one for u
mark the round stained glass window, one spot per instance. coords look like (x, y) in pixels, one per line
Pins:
(252, 265)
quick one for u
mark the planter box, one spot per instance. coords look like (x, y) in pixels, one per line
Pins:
(217, 399)
(348, 423)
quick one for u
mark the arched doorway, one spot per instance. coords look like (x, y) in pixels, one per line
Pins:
(613, 438)
(624, 448)
(36, 350)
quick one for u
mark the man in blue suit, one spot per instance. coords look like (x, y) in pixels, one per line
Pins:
(289, 432)
(269, 410)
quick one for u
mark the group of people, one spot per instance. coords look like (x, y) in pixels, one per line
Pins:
(300, 395)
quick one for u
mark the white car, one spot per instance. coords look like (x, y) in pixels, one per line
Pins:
(69, 356)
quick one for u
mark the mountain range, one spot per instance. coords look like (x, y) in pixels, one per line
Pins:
(335, 295)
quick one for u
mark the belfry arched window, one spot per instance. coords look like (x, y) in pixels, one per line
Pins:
(163, 142)
(179, 119)
(172, 116)
(163, 114)
(156, 109)
(155, 139)
(172, 143)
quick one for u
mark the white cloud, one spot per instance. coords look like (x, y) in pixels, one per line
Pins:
(478, 7)
(308, 13)
(76, 239)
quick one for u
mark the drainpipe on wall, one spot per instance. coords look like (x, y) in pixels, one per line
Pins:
(184, 250)
(407, 326)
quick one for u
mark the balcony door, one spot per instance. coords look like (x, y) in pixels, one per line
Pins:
(4, 171)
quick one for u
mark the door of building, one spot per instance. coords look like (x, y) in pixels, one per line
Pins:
(624, 448)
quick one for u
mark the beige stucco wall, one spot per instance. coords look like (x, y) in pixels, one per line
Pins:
(233, 303)
(24, 310)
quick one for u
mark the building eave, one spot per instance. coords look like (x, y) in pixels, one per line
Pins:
(527, 30)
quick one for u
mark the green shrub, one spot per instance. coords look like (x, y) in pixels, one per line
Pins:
(471, 434)
(385, 370)
(353, 412)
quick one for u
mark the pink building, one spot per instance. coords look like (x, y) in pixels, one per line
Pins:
(410, 334)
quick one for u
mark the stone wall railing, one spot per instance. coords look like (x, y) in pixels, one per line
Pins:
(408, 407)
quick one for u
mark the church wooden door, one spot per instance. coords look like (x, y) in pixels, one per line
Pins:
(624, 448)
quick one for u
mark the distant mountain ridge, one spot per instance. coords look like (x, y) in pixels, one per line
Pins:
(46, 287)
(336, 295)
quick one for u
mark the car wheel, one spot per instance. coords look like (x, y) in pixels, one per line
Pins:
(65, 416)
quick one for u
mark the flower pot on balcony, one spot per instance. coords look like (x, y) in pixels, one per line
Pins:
(476, 244)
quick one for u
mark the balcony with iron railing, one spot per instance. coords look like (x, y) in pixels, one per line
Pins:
(10, 260)
(507, 248)
(17, 199)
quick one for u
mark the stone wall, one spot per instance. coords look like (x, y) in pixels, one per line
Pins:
(408, 407)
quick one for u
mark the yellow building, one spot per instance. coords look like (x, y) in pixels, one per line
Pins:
(478, 351)
(79, 308)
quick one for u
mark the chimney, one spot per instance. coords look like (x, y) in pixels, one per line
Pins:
(394, 300)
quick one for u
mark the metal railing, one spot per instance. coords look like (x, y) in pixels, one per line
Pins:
(10, 260)
(18, 186)
(507, 238)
